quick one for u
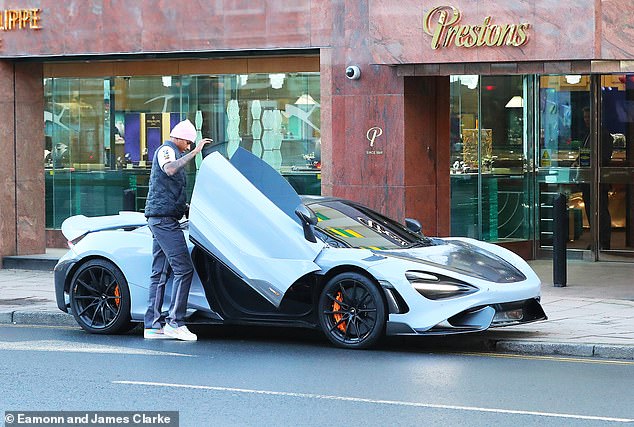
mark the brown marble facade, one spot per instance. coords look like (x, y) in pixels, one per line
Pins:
(401, 90)
(397, 175)
(617, 29)
(7, 161)
(559, 30)
(76, 27)
(22, 147)
(29, 158)
(392, 32)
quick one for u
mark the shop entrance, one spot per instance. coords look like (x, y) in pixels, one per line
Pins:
(616, 168)
(585, 123)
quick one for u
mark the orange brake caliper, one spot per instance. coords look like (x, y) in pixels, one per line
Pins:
(337, 316)
(117, 295)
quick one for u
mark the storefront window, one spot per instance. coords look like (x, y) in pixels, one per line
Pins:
(490, 153)
(101, 133)
(76, 151)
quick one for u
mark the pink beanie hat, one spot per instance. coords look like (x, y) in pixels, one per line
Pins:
(184, 130)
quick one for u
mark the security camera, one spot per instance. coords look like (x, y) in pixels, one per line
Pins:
(353, 72)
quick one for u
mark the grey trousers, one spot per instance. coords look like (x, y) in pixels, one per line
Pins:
(170, 255)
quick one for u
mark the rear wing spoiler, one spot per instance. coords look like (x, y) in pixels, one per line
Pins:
(80, 225)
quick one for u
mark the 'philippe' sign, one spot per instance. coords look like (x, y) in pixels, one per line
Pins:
(19, 19)
(442, 23)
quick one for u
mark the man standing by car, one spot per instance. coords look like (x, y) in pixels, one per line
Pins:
(165, 206)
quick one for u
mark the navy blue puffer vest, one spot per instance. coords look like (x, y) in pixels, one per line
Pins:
(167, 195)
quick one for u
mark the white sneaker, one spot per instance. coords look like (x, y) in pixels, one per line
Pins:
(180, 333)
(155, 334)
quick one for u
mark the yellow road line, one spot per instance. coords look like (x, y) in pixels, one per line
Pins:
(550, 358)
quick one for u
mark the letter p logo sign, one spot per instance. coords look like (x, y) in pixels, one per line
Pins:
(373, 133)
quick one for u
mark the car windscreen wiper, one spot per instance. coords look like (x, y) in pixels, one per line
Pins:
(423, 243)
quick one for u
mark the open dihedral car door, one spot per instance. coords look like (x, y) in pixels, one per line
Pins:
(249, 233)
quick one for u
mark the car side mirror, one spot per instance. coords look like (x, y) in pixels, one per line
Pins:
(308, 219)
(413, 225)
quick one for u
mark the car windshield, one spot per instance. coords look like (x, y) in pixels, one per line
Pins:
(346, 224)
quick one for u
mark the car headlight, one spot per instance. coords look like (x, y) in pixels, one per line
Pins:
(436, 286)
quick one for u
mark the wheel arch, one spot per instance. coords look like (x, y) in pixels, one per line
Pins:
(350, 268)
(77, 265)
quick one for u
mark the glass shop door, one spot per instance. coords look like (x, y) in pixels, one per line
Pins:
(615, 234)
(565, 160)
(586, 128)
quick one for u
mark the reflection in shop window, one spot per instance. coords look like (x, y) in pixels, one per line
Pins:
(489, 139)
(101, 133)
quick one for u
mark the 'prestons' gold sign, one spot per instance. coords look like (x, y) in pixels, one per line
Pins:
(442, 24)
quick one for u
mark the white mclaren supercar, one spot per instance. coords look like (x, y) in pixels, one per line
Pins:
(265, 256)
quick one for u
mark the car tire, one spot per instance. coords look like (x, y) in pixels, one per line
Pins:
(351, 311)
(100, 298)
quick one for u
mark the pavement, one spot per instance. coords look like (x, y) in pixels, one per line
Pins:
(592, 316)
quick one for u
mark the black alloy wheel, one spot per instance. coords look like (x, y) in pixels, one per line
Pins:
(352, 311)
(100, 298)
